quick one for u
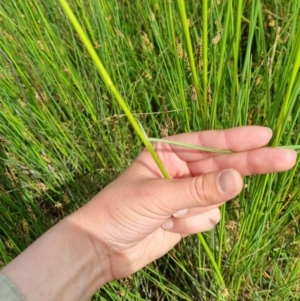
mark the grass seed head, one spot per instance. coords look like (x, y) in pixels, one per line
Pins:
(21, 102)
(209, 100)
(6, 35)
(147, 76)
(147, 44)
(25, 227)
(193, 94)
(200, 53)
(224, 292)
(233, 226)
(97, 45)
(66, 199)
(9, 244)
(31, 212)
(58, 205)
(156, 7)
(216, 39)
(41, 186)
(119, 33)
(179, 49)
(41, 45)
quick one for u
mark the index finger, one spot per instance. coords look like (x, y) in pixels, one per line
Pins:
(237, 139)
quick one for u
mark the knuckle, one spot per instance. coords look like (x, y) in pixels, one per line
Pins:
(202, 191)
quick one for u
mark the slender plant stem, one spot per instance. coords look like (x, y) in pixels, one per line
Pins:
(185, 27)
(236, 53)
(287, 99)
(224, 41)
(16, 76)
(208, 149)
(294, 147)
(221, 234)
(212, 259)
(178, 67)
(106, 78)
(191, 146)
(205, 12)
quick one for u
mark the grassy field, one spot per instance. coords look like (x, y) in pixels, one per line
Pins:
(64, 136)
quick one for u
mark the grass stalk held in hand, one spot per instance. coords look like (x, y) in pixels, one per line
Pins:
(208, 149)
(106, 78)
(191, 146)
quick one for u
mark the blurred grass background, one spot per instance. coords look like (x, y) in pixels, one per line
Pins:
(64, 137)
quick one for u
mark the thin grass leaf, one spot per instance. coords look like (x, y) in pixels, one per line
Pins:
(191, 146)
(286, 105)
(205, 16)
(202, 103)
(110, 85)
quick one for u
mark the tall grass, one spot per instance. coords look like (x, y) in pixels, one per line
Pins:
(179, 67)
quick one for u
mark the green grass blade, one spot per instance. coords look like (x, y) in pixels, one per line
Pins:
(185, 27)
(236, 54)
(191, 146)
(106, 78)
(287, 99)
(205, 13)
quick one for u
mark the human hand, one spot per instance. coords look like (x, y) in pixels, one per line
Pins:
(141, 216)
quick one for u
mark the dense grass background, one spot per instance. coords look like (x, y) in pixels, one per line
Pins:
(64, 137)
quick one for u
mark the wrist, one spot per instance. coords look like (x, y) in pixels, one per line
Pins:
(63, 264)
(88, 257)
(82, 238)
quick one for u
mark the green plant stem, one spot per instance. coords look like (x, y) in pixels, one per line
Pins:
(236, 54)
(224, 41)
(185, 27)
(209, 149)
(108, 82)
(178, 67)
(191, 146)
(205, 12)
(221, 234)
(287, 99)
(212, 260)
(294, 147)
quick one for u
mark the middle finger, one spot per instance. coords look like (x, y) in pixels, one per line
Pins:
(257, 161)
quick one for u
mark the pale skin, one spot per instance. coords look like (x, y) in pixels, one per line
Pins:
(140, 216)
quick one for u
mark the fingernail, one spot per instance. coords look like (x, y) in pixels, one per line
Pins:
(168, 225)
(180, 213)
(227, 181)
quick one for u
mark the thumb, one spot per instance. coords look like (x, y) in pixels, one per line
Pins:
(201, 191)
